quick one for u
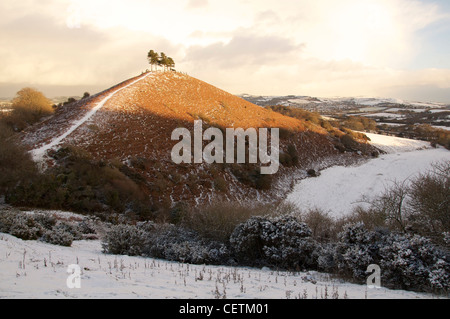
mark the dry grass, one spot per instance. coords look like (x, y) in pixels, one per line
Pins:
(217, 221)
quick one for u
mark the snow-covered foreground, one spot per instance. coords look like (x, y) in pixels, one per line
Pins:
(338, 190)
(31, 269)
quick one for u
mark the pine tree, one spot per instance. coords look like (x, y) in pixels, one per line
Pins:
(153, 58)
(163, 60)
(170, 63)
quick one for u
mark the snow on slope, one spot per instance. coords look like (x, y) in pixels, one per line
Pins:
(392, 144)
(31, 269)
(38, 154)
(338, 190)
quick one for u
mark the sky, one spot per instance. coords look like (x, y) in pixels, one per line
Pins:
(323, 48)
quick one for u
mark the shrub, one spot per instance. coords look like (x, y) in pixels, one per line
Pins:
(220, 184)
(179, 244)
(218, 221)
(79, 183)
(348, 142)
(429, 199)
(280, 241)
(419, 205)
(39, 226)
(16, 164)
(321, 224)
(59, 235)
(29, 106)
(25, 227)
(407, 261)
(164, 241)
(87, 227)
(125, 240)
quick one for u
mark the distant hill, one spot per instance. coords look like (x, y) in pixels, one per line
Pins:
(344, 103)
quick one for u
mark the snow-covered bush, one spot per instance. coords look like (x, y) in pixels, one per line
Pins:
(6, 221)
(25, 227)
(125, 240)
(165, 241)
(281, 241)
(407, 261)
(179, 244)
(39, 226)
(69, 228)
(87, 228)
(414, 263)
(325, 256)
(58, 235)
(45, 220)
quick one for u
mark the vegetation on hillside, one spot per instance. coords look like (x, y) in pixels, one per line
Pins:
(28, 107)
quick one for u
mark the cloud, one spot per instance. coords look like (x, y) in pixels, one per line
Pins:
(43, 50)
(242, 50)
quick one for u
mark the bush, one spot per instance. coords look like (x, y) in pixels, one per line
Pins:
(78, 183)
(39, 226)
(218, 221)
(281, 241)
(164, 241)
(321, 224)
(125, 240)
(25, 227)
(419, 206)
(349, 143)
(407, 261)
(16, 164)
(59, 235)
(429, 199)
(29, 106)
(179, 244)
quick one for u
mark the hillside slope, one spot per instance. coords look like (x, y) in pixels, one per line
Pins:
(131, 125)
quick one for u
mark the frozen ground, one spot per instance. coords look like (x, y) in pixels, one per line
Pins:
(31, 269)
(338, 190)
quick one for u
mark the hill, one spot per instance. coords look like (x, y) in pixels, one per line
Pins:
(128, 127)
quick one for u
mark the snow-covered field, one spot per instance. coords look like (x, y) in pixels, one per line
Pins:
(338, 190)
(31, 269)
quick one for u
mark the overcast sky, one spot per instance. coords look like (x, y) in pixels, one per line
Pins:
(324, 48)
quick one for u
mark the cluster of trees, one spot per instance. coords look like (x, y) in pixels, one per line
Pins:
(161, 60)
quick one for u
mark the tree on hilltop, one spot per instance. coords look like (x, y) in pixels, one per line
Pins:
(153, 58)
(161, 60)
(170, 63)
